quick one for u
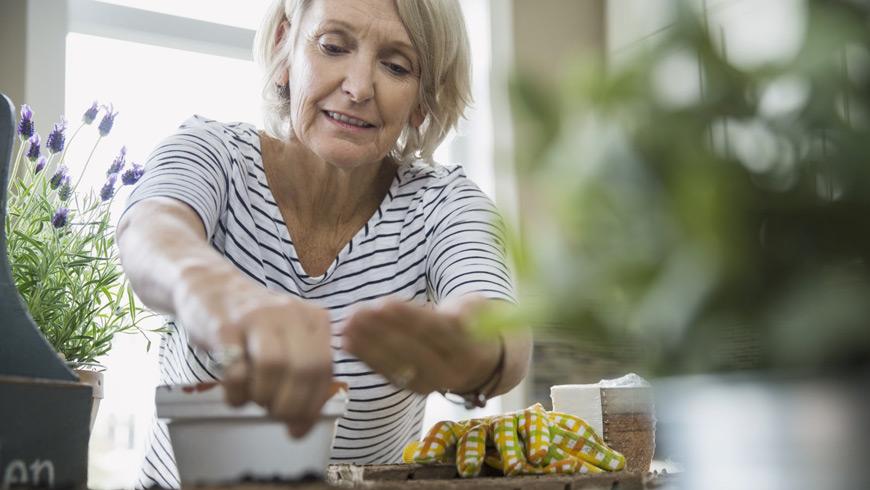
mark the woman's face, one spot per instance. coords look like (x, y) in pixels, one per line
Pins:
(354, 81)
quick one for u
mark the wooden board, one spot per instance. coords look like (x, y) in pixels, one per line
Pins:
(433, 477)
(437, 477)
(44, 431)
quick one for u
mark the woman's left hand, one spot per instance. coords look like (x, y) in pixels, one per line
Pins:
(423, 349)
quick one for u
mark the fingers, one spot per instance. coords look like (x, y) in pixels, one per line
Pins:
(534, 428)
(291, 406)
(470, 359)
(397, 338)
(382, 341)
(235, 381)
(198, 387)
(320, 394)
(287, 366)
(471, 451)
(235, 375)
(269, 363)
(300, 398)
(316, 371)
(442, 333)
(507, 442)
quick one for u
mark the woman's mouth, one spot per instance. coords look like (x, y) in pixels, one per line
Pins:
(347, 121)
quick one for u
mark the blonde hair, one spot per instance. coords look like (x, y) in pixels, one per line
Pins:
(437, 32)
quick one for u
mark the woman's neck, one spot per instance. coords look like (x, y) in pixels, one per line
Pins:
(318, 194)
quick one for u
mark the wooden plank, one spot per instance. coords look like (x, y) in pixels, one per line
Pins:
(389, 477)
(444, 476)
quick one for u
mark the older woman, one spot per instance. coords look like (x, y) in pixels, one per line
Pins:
(328, 246)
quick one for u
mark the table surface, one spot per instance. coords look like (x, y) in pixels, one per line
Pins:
(432, 477)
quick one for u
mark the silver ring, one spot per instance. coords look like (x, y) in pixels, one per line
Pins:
(403, 377)
(228, 355)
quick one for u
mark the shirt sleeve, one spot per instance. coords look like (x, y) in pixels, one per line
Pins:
(193, 166)
(465, 245)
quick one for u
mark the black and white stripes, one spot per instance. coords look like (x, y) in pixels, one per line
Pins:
(434, 236)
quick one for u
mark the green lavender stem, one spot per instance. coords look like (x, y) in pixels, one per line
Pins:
(28, 206)
(69, 143)
(88, 161)
(15, 165)
(13, 200)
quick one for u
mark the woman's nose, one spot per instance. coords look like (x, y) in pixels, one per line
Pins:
(358, 84)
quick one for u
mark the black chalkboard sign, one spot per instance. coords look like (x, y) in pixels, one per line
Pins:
(44, 410)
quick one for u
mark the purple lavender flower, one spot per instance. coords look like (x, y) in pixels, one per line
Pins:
(91, 114)
(58, 177)
(25, 126)
(34, 150)
(56, 138)
(118, 164)
(40, 165)
(65, 191)
(60, 217)
(108, 190)
(133, 174)
(108, 121)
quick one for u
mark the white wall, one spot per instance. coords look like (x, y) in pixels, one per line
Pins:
(13, 32)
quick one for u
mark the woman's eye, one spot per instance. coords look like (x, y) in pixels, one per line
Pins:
(396, 69)
(331, 48)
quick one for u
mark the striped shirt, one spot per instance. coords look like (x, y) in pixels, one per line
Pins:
(434, 236)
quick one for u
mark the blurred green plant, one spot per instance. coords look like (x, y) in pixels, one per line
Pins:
(61, 245)
(714, 214)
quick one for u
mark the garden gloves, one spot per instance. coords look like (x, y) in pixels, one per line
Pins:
(530, 442)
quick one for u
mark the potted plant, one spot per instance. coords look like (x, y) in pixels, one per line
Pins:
(62, 250)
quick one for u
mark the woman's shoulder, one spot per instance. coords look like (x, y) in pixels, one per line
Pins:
(438, 188)
(233, 140)
(419, 176)
(226, 133)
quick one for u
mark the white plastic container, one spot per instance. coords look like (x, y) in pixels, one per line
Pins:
(215, 443)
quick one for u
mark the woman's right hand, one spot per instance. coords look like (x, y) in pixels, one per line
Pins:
(287, 367)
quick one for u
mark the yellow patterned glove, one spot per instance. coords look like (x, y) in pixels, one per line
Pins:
(579, 440)
(509, 456)
(471, 450)
(439, 445)
(529, 442)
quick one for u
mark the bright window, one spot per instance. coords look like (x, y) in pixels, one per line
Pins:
(245, 14)
(154, 89)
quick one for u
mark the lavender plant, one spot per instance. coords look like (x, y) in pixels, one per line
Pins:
(61, 243)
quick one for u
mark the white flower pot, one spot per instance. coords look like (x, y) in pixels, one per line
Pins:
(215, 443)
(95, 380)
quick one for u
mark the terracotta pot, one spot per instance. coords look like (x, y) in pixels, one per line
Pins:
(95, 379)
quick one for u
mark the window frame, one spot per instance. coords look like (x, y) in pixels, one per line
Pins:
(48, 24)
